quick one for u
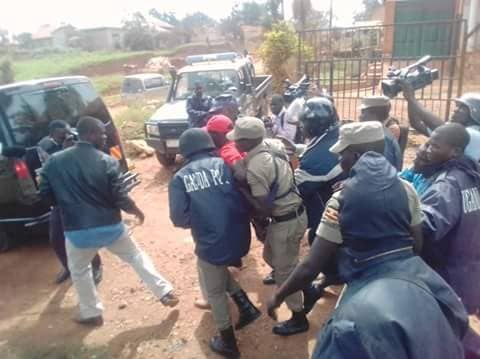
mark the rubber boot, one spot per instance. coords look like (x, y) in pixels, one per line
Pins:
(225, 344)
(298, 323)
(247, 311)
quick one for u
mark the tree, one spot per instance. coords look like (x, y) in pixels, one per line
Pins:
(4, 39)
(279, 47)
(301, 10)
(168, 17)
(368, 7)
(24, 40)
(276, 9)
(7, 75)
(139, 35)
(195, 23)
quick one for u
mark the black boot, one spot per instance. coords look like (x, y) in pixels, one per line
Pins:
(311, 295)
(248, 312)
(298, 323)
(225, 344)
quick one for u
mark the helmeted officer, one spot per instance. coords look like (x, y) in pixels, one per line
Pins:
(203, 198)
(319, 169)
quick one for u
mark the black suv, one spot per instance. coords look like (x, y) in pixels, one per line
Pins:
(26, 109)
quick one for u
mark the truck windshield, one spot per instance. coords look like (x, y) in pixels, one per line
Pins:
(214, 82)
(29, 113)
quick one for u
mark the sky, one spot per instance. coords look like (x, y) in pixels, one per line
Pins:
(93, 13)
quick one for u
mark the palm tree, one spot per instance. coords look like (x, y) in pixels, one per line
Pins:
(301, 10)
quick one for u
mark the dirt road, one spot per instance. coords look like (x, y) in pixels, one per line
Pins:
(35, 314)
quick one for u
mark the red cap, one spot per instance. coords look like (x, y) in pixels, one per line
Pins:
(220, 124)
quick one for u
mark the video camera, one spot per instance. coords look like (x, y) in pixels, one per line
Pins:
(417, 74)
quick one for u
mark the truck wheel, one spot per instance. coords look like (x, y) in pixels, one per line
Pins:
(6, 240)
(164, 159)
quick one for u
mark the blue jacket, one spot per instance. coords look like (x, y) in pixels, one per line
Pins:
(197, 110)
(451, 227)
(203, 197)
(87, 185)
(397, 309)
(318, 171)
(392, 150)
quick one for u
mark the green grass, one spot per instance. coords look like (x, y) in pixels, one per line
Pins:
(130, 122)
(64, 63)
(108, 84)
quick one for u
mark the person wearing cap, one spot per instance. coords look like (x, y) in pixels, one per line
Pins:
(56, 141)
(393, 304)
(218, 127)
(204, 199)
(198, 107)
(466, 113)
(273, 194)
(377, 108)
(281, 127)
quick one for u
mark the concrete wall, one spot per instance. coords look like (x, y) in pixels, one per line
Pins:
(102, 39)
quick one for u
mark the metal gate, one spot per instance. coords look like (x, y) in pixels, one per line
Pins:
(351, 62)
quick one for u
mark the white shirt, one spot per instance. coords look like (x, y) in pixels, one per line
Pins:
(282, 128)
(294, 110)
(473, 147)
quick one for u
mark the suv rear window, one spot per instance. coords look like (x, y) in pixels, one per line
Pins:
(132, 86)
(154, 83)
(29, 113)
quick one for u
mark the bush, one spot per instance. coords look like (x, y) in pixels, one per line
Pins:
(130, 122)
(7, 75)
(279, 46)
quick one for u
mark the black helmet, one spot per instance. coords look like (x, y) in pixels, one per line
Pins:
(472, 101)
(195, 140)
(319, 109)
(318, 115)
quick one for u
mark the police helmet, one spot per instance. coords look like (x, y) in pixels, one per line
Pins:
(472, 101)
(321, 110)
(195, 140)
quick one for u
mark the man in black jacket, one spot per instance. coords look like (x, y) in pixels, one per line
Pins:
(86, 185)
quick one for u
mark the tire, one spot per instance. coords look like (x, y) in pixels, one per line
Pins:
(165, 159)
(6, 240)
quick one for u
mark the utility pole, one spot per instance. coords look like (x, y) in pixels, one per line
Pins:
(330, 48)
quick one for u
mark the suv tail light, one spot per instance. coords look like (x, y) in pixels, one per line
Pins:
(21, 170)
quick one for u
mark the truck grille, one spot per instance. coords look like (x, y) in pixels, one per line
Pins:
(172, 130)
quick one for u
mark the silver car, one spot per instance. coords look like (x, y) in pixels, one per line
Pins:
(141, 87)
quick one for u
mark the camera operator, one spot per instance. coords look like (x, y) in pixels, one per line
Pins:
(467, 113)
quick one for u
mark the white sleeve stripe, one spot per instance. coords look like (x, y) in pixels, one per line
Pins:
(302, 176)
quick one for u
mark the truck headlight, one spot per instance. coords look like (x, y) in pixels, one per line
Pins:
(153, 130)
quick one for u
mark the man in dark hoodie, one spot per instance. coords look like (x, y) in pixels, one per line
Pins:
(203, 197)
(393, 304)
(451, 209)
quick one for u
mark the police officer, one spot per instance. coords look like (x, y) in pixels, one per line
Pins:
(203, 198)
(273, 194)
(319, 169)
(394, 305)
(451, 209)
(377, 108)
(198, 107)
(467, 114)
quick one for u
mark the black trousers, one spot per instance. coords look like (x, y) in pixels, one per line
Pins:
(57, 240)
